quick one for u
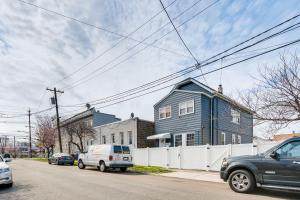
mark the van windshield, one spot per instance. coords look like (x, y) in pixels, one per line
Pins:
(126, 149)
(117, 149)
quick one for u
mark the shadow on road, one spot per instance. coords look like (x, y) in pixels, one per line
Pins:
(116, 171)
(277, 194)
(16, 187)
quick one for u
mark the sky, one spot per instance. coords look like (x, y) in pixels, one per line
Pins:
(39, 49)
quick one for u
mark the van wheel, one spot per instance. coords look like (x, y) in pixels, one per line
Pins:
(81, 165)
(102, 166)
(10, 185)
(241, 181)
(123, 169)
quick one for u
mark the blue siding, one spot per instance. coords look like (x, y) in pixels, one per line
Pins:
(103, 118)
(223, 123)
(210, 114)
(178, 124)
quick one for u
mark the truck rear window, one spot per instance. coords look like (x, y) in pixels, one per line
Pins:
(117, 149)
(126, 150)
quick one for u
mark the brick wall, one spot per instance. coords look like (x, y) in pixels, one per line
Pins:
(144, 129)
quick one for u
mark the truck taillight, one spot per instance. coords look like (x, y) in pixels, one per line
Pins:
(110, 158)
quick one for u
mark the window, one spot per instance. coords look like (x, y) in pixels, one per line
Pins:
(236, 116)
(103, 139)
(117, 149)
(129, 137)
(190, 139)
(186, 107)
(165, 112)
(122, 137)
(290, 150)
(239, 139)
(92, 142)
(113, 138)
(233, 139)
(178, 140)
(126, 149)
(223, 138)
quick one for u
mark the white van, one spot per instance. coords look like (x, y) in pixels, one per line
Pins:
(106, 156)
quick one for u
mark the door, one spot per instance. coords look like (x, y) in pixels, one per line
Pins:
(285, 170)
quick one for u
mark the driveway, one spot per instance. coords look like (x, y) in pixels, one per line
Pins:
(40, 181)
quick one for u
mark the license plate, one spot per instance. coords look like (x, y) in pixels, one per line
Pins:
(125, 158)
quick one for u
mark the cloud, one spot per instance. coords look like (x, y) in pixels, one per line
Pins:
(37, 48)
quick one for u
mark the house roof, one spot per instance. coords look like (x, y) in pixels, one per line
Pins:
(213, 92)
(78, 116)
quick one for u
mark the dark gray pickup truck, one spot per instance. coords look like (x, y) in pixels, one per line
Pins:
(278, 168)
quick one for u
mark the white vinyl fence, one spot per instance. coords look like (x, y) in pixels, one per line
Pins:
(203, 157)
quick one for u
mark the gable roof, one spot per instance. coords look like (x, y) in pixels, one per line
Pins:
(213, 92)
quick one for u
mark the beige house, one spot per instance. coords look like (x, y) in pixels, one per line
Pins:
(132, 132)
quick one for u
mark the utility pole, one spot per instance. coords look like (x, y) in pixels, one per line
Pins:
(29, 126)
(15, 146)
(57, 116)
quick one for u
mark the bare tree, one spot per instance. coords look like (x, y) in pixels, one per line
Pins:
(46, 134)
(276, 99)
(78, 132)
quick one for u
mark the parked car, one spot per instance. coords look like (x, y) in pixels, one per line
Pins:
(277, 168)
(61, 159)
(7, 157)
(5, 173)
(106, 157)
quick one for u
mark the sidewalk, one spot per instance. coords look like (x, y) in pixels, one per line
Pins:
(195, 175)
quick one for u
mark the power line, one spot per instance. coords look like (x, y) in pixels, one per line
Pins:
(212, 71)
(193, 67)
(180, 37)
(93, 74)
(120, 41)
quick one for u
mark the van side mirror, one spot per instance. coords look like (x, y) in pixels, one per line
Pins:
(274, 155)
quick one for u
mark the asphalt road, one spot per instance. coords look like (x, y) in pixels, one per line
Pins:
(39, 181)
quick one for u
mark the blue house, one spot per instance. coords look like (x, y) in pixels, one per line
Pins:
(195, 114)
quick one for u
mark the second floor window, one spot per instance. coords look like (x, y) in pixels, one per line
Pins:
(186, 107)
(103, 139)
(236, 116)
(165, 112)
(113, 138)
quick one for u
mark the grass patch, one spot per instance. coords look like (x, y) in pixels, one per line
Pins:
(149, 169)
(40, 159)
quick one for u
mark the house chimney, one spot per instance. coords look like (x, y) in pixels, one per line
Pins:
(220, 89)
(88, 106)
(132, 115)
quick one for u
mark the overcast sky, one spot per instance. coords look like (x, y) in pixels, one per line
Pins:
(38, 49)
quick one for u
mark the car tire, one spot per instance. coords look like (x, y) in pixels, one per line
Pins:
(102, 166)
(81, 165)
(123, 169)
(49, 162)
(241, 181)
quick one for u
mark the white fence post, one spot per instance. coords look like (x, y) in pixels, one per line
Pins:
(179, 156)
(207, 157)
(229, 151)
(168, 158)
(147, 156)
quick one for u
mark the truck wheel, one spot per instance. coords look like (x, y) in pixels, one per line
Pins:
(241, 181)
(102, 166)
(123, 169)
(81, 165)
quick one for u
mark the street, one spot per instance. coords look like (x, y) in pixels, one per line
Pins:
(40, 181)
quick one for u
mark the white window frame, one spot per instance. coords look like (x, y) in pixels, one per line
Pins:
(103, 139)
(186, 139)
(130, 137)
(239, 139)
(122, 138)
(185, 107)
(182, 142)
(236, 116)
(233, 139)
(224, 139)
(163, 110)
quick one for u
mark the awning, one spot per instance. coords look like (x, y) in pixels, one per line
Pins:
(159, 136)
